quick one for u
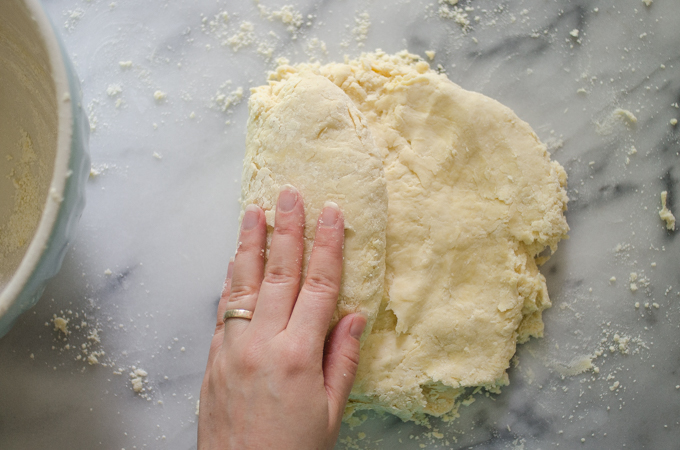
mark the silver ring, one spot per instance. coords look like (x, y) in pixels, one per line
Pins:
(237, 313)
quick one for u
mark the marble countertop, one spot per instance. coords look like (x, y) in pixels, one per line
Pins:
(160, 224)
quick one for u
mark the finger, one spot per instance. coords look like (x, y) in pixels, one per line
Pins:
(218, 337)
(319, 294)
(281, 282)
(248, 268)
(224, 298)
(340, 363)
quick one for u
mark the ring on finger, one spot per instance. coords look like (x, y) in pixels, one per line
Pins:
(237, 314)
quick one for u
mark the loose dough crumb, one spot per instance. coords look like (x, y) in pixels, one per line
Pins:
(665, 213)
(137, 377)
(625, 114)
(159, 96)
(61, 324)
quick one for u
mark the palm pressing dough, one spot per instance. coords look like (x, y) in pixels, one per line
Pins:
(306, 132)
(473, 200)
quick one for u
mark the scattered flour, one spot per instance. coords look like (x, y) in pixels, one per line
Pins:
(243, 38)
(72, 18)
(114, 90)
(315, 49)
(447, 10)
(362, 24)
(225, 99)
(286, 15)
(217, 27)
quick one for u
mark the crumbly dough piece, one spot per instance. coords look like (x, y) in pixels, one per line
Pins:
(306, 132)
(473, 200)
(665, 213)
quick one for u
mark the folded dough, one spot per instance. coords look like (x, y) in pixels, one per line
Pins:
(306, 132)
(473, 200)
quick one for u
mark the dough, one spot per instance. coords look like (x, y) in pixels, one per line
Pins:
(473, 200)
(665, 213)
(306, 132)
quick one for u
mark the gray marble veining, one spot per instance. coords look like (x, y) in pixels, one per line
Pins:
(162, 216)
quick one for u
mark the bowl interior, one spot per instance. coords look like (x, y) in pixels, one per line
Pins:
(28, 132)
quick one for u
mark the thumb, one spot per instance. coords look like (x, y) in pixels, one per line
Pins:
(341, 360)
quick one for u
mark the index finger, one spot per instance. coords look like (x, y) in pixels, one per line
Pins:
(224, 298)
(319, 294)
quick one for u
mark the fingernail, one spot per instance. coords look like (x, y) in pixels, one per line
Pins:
(287, 198)
(251, 217)
(230, 268)
(330, 214)
(357, 327)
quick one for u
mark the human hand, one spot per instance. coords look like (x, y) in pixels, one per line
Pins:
(274, 381)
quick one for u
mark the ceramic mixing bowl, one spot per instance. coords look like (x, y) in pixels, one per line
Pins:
(44, 162)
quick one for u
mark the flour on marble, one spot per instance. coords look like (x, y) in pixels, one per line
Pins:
(244, 37)
(77, 337)
(73, 17)
(113, 90)
(457, 14)
(287, 15)
(226, 97)
(362, 24)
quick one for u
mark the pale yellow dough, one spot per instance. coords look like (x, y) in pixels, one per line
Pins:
(307, 133)
(665, 213)
(473, 200)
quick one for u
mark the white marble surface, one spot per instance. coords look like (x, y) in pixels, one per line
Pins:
(166, 227)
